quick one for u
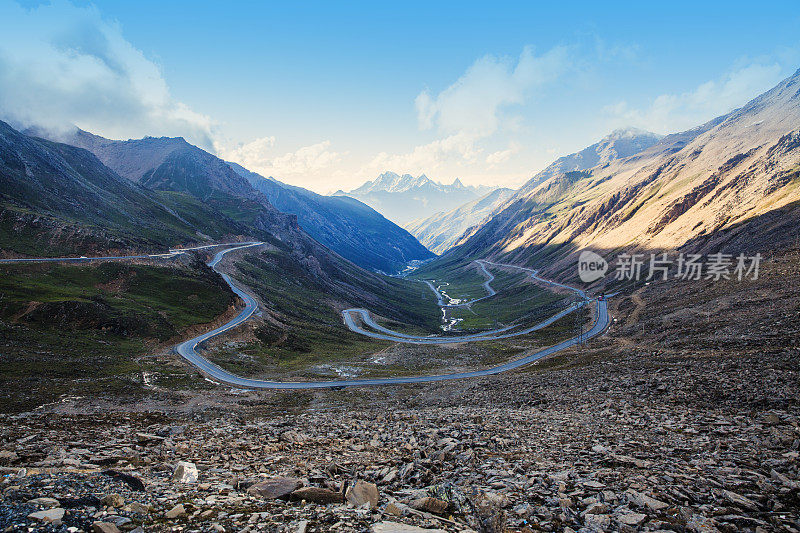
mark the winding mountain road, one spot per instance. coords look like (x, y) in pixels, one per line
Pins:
(188, 349)
(172, 252)
(486, 285)
(383, 333)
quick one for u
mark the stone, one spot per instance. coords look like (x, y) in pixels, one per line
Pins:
(596, 508)
(430, 505)
(50, 515)
(113, 500)
(104, 527)
(132, 481)
(185, 472)
(8, 457)
(397, 509)
(147, 438)
(291, 436)
(596, 485)
(138, 508)
(396, 527)
(598, 522)
(317, 495)
(644, 501)
(175, 512)
(274, 488)
(741, 501)
(631, 519)
(363, 492)
(45, 502)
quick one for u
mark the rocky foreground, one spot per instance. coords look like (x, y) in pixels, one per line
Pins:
(644, 442)
(684, 417)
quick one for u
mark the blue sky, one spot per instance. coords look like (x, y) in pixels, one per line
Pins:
(326, 96)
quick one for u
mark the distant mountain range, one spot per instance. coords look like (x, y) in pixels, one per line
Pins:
(348, 227)
(58, 198)
(443, 230)
(404, 198)
(733, 182)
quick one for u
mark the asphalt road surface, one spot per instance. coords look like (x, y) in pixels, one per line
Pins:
(384, 333)
(188, 349)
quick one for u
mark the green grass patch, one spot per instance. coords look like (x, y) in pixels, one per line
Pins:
(459, 279)
(84, 329)
(309, 329)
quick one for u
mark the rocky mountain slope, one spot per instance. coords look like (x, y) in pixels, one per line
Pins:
(164, 163)
(172, 164)
(58, 198)
(700, 189)
(619, 144)
(404, 198)
(442, 231)
(345, 225)
(656, 426)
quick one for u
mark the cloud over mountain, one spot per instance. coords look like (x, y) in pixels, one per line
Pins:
(674, 112)
(475, 103)
(62, 65)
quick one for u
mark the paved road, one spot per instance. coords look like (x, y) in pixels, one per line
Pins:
(383, 333)
(172, 252)
(188, 350)
(534, 275)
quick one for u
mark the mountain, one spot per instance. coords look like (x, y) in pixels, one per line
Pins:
(733, 182)
(404, 198)
(175, 193)
(348, 227)
(619, 144)
(442, 231)
(172, 164)
(56, 198)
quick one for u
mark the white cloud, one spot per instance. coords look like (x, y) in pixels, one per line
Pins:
(495, 158)
(458, 148)
(669, 113)
(250, 154)
(63, 65)
(474, 108)
(474, 104)
(305, 162)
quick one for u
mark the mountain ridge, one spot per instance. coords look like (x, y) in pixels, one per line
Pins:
(345, 225)
(443, 230)
(69, 200)
(688, 188)
(403, 198)
(619, 144)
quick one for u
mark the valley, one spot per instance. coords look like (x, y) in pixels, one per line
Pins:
(574, 325)
(188, 348)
